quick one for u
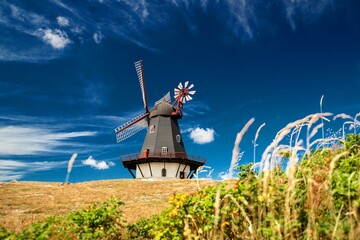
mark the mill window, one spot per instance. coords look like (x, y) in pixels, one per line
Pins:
(164, 150)
(152, 128)
(178, 138)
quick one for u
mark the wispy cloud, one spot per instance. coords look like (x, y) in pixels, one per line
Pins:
(25, 37)
(202, 135)
(33, 54)
(54, 125)
(34, 143)
(304, 9)
(98, 37)
(139, 7)
(58, 39)
(245, 17)
(243, 14)
(62, 21)
(22, 140)
(137, 21)
(195, 108)
(64, 6)
(20, 20)
(99, 165)
(15, 170)
(28, 17)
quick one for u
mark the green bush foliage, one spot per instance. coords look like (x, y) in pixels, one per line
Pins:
(98, 221)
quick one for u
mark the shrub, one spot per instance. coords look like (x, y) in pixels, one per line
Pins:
(98, 221)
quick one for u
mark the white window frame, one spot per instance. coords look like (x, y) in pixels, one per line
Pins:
(178, 138)
(152, 128)
(164, 150)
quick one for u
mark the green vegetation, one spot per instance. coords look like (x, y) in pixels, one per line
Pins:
(318, 198)
(98, 221)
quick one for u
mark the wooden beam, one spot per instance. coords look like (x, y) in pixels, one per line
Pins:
(184, 167)
(150, 169)
(178, 170)
(191, 172)
(140, 170)
(132, 174)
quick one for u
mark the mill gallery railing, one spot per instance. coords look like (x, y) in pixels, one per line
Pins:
(160, 155)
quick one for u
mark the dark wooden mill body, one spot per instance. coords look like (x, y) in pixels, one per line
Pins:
(163, 153)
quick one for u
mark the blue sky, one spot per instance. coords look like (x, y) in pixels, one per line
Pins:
(68, 79)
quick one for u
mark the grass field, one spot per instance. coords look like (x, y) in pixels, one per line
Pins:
(23, 203)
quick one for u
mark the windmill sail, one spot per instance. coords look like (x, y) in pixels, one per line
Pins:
(140, 74)
(182, 95)
(131, 127)
(166, 98)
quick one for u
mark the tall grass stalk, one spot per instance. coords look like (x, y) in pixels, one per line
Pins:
(345, 116)
(217, 210)
(313, 118)
(254, 141)
(352, 214)
(322, 120)
(337, 223)
(235, 152)
(356, 122)
(202, 169)
(289, 197)
(70, 165)
(243, 214)
(343, 128)
(333, 161)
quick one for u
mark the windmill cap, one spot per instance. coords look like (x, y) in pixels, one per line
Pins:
(162, 108)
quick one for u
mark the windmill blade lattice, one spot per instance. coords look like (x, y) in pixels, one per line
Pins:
(140, 74)
(166, 98)
(131, 127)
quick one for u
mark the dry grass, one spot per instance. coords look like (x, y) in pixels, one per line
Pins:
(22, 203)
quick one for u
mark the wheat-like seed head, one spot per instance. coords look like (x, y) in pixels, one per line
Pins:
(235, 152)
(343, 116)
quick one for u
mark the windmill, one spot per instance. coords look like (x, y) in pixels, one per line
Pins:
(163, 152)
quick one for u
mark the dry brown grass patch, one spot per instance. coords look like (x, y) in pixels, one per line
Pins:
(23, 203)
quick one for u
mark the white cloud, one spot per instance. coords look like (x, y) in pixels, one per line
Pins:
(8, 176)
(98, 37)
(66, 7)
(100, 165)
(201, 135)
(306, 9)
(196, 108)
(62, 21)
(27, 17)
(140, 8)
(15, 170)
(242, 12)
(56, 38)
(23, 140)
(35, 54)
